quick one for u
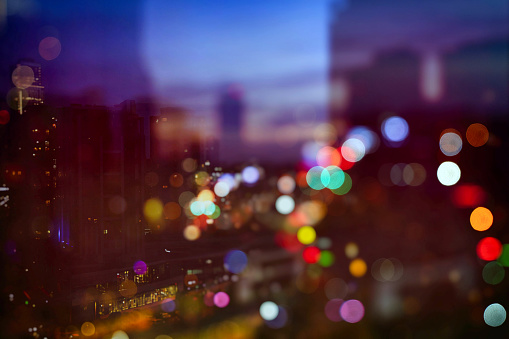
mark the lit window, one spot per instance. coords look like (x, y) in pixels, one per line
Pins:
(105, 231)
(48, 202)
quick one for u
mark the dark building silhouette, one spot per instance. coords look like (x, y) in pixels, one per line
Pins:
(231, 112)
(103, 159)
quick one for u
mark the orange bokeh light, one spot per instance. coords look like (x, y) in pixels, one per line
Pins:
(477, 135)
(481, 219)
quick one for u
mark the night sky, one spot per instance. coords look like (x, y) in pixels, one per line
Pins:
(184, 52)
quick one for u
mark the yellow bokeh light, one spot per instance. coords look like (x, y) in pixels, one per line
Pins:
(88, 329)
(358, 268)
(481, 219)
(351, 250)
(306, 235)
(206, 195)
(202, 178)
(192, 232)
(153, 210)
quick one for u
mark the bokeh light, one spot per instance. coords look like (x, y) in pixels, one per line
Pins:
(153, 210)
(345, 187)
(395, 129)
(189, 165)
(197, 207)
(448, 173)
(493, 273)
(311, 212)
(385, 270)
(221, 299)
(414, 174)
(88, 329)
(172, 210)
(221, 189)
(352, 311)
(119, 335)
(306, 235)
(314, 178)
(23, 76)
(332, 308)
(353, 150)
(185, 198)
(176, 180)
(396, 174)
(191, 232)
(285, 204)
(450, 143)
(468, 195)
(477, 135)
(50, 48)
(269, 310)
(208, 298)
(229, 179)
(311, 254)
(205, 195)
(286, 184)
(209, 208)
(168, 305)
(494, 315)
(489, 249)
(4, 117)
(202, 178)
(368, 138)
(351, 250)
(358, 268)
(504, 256)
(309, 152)
(481, 219)
(328, 156)
(280, 321)
(128, 288)
(140, 267)
(235, 261)
(16, 98)
(327, 259)
(250, 175)
(335, 178)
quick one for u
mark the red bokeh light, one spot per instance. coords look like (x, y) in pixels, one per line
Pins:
(4, 117)
(344, 164)
(288, 241)
(489, 249)
(311, 254)
(468, 195)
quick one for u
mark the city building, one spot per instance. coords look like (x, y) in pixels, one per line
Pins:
(103, 159)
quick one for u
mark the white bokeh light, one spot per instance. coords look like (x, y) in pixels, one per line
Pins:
(448, 173)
